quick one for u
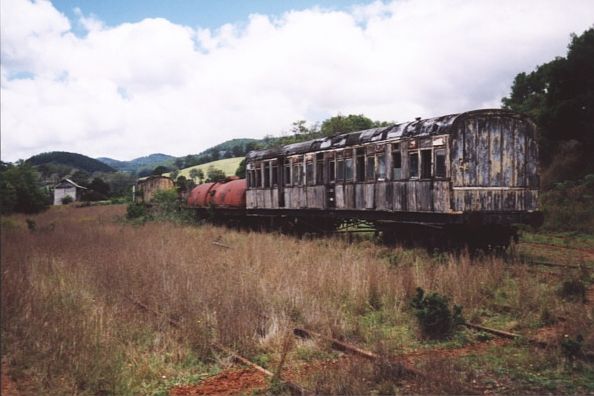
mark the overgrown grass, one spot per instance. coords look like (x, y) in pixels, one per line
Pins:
(71, 322)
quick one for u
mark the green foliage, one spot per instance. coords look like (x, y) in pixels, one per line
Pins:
(215, 175)
(135, 211)
(20, 189)
(160, 170)
(240, 172)
(569, 206)
(67, 200)
(344, 124)
(572, 348)
(72, 160)
(99, 186)
(573, 289)
(559, 96)
(435, 318)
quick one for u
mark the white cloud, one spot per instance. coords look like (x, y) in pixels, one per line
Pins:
(154, 86)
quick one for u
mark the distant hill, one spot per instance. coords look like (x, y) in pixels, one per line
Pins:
(141, 163)
(227, 165)
(72, 160)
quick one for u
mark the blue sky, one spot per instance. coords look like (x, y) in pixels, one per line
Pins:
(202, 13)
(112, 80)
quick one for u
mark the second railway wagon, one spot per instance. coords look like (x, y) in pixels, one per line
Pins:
(472, 174)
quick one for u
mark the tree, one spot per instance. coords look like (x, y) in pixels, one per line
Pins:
(341, 124)
(200, 175)
(159, 170)
(240, 172)
(179, 163)
(559, 96)
(100, 186)
(20, 189)
(215, 175)
(181, 182)
(174, 173)
(81, 178)
(194, 173)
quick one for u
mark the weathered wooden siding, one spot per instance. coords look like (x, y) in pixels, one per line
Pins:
(494, 165)
(494, 199)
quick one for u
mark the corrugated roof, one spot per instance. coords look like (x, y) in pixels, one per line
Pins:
(66, 180)
(418, 128)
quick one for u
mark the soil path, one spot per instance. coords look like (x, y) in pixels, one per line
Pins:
(230, 382)
(8, 385)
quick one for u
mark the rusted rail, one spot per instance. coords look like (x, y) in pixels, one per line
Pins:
(344, 347)
(293, 387)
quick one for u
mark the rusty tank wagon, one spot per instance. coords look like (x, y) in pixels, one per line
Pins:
(460, 178)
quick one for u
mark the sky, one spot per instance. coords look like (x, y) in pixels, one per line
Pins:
(123, 79)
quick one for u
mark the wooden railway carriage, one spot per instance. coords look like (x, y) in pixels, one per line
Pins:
(456, 172)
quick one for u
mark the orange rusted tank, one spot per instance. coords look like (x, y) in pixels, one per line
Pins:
(230, 194)
(199, 195)
(227, 194)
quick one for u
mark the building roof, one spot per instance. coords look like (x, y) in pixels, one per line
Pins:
(67, 183)
(146, 178)
(419, 128)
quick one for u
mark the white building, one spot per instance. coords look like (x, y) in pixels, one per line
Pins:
(67, 188)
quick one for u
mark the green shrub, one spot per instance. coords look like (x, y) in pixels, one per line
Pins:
(135, 211)
(435, 318)
(67, 200)
(573, 289)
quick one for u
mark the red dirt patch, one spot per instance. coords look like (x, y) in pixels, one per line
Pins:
(411, 357)
(8, 386)
(226, 383)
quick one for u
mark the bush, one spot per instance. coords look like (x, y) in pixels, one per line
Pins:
(135, 211)
(67, 200)
(573, 289)
(436, 319)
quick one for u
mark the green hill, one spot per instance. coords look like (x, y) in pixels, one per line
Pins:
(136, 165)
(72, 160)
(227, 165)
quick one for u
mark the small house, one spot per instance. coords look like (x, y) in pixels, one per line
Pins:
(147, 187)
(67, 188)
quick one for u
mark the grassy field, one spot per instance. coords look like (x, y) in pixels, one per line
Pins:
(227, 165)
(73, 280)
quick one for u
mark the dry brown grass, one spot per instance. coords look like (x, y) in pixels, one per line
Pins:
(67, 288)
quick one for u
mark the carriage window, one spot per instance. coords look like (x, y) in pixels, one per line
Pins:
(339, 166)
(297, 171)
(414, 164)
(348, 169)
(370, 168)
(331, 171)
(426, 164)
(258, 175)
(396, 162)
(309, 172)
(360, 164)
(320, 168)
(266, 174)
(287, 172)
(274, 173)
(381, 166)
(440, 163)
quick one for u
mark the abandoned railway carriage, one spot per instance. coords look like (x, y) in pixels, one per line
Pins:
(461, 173)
